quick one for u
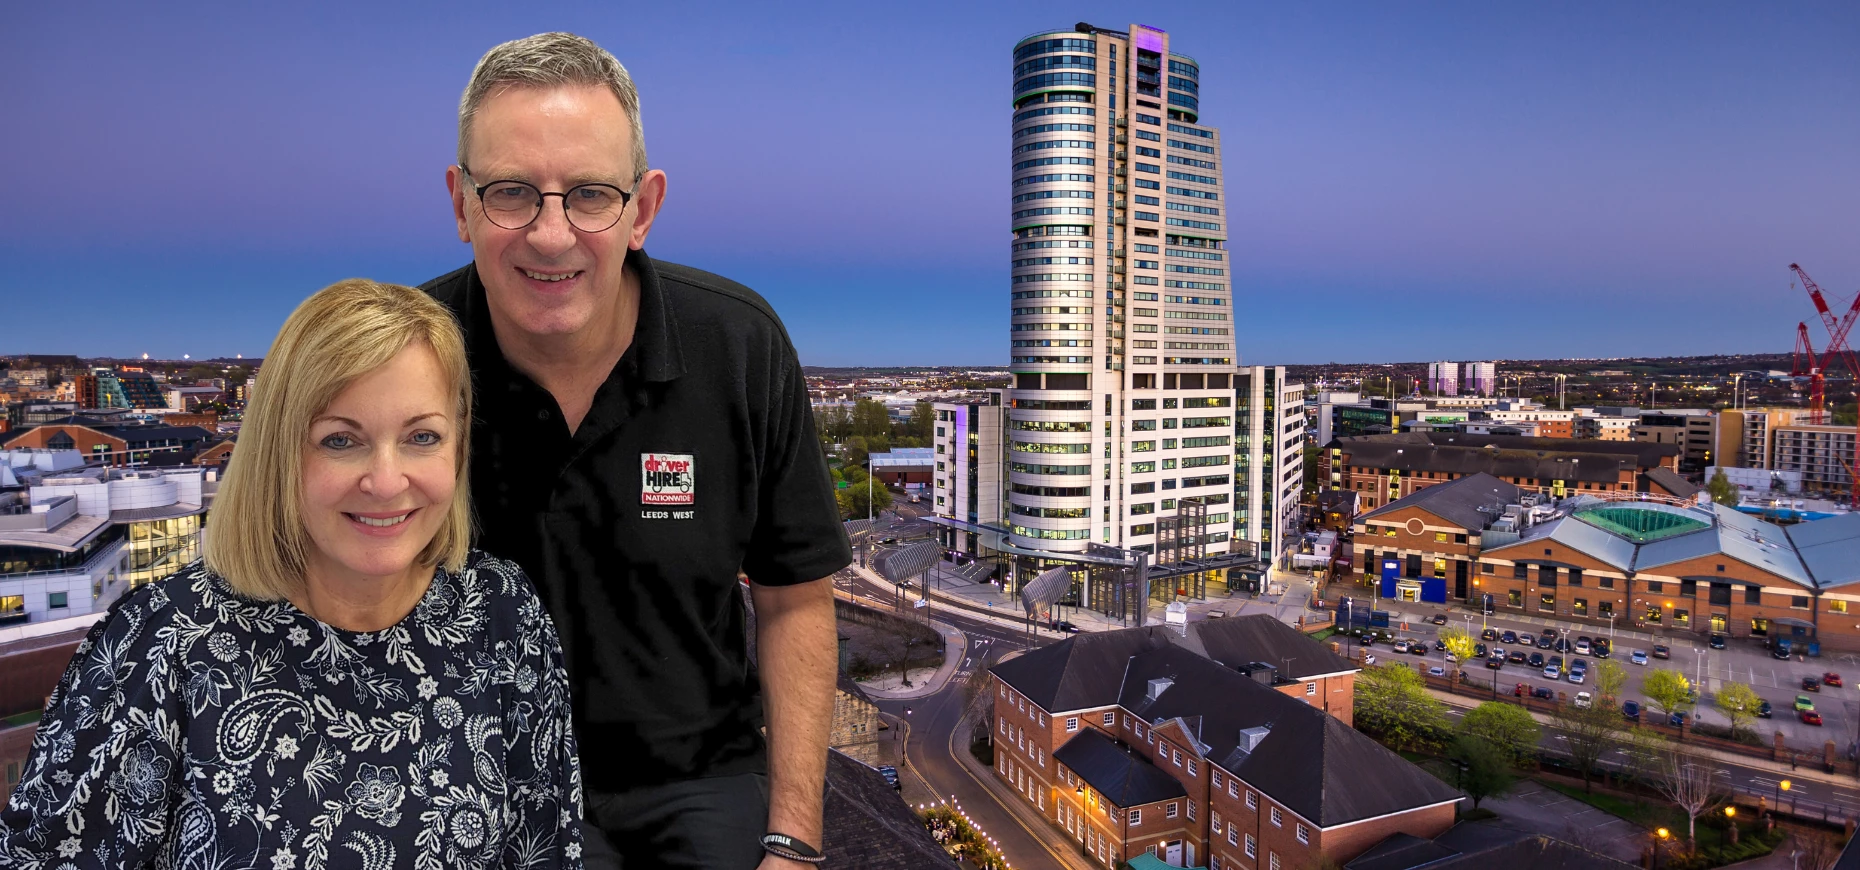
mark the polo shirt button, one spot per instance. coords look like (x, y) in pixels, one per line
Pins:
(542, 415)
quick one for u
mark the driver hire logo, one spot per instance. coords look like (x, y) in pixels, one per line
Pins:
(667, 478)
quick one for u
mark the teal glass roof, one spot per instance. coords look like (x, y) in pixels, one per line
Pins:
(1640, 524)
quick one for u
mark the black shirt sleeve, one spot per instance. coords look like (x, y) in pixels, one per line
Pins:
(798, 535)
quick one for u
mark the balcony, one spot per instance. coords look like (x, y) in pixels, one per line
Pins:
(1123, 122)
(1122, 155)
(1118, 203)
(1121, 172)
(1119, 220)
(1154, 78)
(1117, 269)
(1118, 285)
(1117, 252)
(1119, 188)
(1117, 333)
(1122, 138)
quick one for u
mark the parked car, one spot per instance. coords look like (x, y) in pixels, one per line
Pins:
(1489, 634)
(891, 776)
(1550, 633)
(1811, 684)
(1577, 676)
(1831, 678)
(1508, 637)
(1763, 710)
(1545, 641)
(1630, 711)
(1660, 651)
(1369, 658)
(1582, 647)
(1436, 671)
(1639, 657)
(1517, 657)
(1810, 717)
(1401, 646)
(1544, 692)
(1440, 645)
(1438, 619)
(1563, 645)
(1479, 650)
(1418, 648)
(1551, 672)
(1602, 647)
(1676, 719)
(1584, 699)
(1527, 639)
(1802, 702)
(1495, 661)
(1717, 641)
(1066, 627)
(1536, 660)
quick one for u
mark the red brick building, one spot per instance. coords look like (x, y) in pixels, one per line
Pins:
(1384, 468)
(1133, 743)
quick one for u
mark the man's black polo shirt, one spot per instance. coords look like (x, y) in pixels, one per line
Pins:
(697, 459)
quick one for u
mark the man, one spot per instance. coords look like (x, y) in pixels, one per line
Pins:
(642, 433)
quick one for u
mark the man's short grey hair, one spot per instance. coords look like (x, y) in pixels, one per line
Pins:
(549, 60)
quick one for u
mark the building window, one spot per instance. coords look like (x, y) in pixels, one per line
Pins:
(1799, 602)
(1278, 818)
(1575, 576)
(1833, 606)
(1310, 689)
(1515, 598)
(1487, 568)
(1272, 862)
(1217, 780)
(1136, 817)
(1605, 610)
(1072, 723)
(1191, 811)
(1252, 800)
(1191, 770)
(1753, 595)
(1580, 607)
(1304, 835)
(1110, 719)
(1251, 848)
(1440, 537)
(1170, 810)
(1655, 587)
(1520, 571)
(59, 599)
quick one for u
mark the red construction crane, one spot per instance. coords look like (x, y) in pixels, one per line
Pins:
(1815, 368)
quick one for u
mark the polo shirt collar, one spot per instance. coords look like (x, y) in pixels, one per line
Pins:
(654, 356)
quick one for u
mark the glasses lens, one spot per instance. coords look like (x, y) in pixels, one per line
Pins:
(594, 207)
(511, 204)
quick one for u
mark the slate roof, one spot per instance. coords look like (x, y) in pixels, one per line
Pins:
(868, 826)
(1829, 548)
(1458, 501)
(1116, 771)
(1239, 640)
(1504, 455)
(1613, 550)
(1737, 535)
(1479, 846)
(1314, 764)
(1669, 480)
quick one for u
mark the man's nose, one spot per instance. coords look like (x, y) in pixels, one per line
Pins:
(551, 234)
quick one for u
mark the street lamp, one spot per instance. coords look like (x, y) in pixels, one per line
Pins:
(1730, 827)
(1660, 838)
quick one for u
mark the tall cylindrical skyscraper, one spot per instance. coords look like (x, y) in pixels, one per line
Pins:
(1122, 316)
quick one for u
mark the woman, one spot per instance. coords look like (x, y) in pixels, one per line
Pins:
(341, 683)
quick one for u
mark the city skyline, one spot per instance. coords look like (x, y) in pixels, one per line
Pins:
(1396, 175)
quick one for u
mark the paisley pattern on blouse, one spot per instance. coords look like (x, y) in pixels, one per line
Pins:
(196, 728)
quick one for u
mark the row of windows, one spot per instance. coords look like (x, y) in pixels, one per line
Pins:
(1143, 264)
(1049, 46)
(1196, 315)
(1146, 200)
(1053, 161)
(1043, 294)
(1148, 119)
(1054, 128)
(1206, 422)
(1190, 161)
(1182, 84)
(1052, 177)
(1054, 342)
(1055, 80)
(1142, 279)
(1040, 447)
(1185, 101)
(1195, 345)
(1053, 276)
(1051, 491)
(1054, 110)
(1063, 61)
(1189, 176)
(1053, 143)
(1206, 441)
(1146, 134)
(1209, 480)
(1194, 209)
(1053, 194)
(1198, 225)
(1024, 468)
(1205, 401)
(1184, 68)
(1147, 167)
(1198, 194)
(1143, 248)
(1051, 534)
(1029, 232)
(1180, 128)
(1195, 300)
(1068, 243)
(1082, 513)
(1037, 360)
(1196, 255)
(1146, 216)
(1141, 296)
(1146, 184)
(1194, 270)
(1054, 309)
(1051, 327)
(1194, 285)
(1052, 261)
(1203, 462)
(1198, 330)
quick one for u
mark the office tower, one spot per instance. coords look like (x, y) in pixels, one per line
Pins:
(1269, 457)
(1482, 378)
(1122, 319)
(1443, 378)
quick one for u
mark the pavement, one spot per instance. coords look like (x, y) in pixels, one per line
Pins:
(1532, 806)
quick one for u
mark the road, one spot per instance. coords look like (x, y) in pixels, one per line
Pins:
(935, 738)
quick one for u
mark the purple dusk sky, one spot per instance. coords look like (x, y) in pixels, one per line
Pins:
(1404, 181)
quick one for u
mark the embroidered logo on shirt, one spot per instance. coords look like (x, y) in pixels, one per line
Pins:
(667, 478)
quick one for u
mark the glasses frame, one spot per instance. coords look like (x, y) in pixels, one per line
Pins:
(626, 199)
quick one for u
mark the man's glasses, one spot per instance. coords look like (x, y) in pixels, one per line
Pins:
(591, 208)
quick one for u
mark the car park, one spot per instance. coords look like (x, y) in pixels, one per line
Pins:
(1479, 650)
(1577, 676)
(1584, 699)
(1401, 646)
(1811, 684)
(1436, 671)
(1552, 673)
(1527, 639)
(1810, 717)
(1495, 661)
(1603, 647)
(1630, 710)
(1831, 678)
(1660, 651)
(1545, 641)
(1508, 637)
(1764, 711)
(1562, 645)
(1676, 719)
(1802, 702)
(1536, 660)
(1418, 648)
(1550, 633)
(1717, 641)
(1639, 657)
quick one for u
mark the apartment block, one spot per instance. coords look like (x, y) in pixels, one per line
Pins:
(1269, 457)
(1820, 454)
(1744, 435)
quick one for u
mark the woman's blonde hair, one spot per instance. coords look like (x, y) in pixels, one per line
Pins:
(256, 539)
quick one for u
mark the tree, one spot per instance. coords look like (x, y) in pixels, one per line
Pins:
(1722, 490)
(1609, 678)
(923, 421)
(1508, 727)
(1588, 733)
(852, 499)
(1392, 703)
(1480, 769)
(855, 453)
(1686, 780)
(1668, 690)
(870, 419)
(1738, 702)
(1460, 644)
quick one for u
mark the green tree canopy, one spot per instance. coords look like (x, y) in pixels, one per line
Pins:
(1722, 490)
(1392, 703)
(923, 420)
(1739, 703)
(852, 499)
(1588, 734)
(1668, 690)
(1478, 768)
(870, 419)
(1508, 727)
(1610, 677)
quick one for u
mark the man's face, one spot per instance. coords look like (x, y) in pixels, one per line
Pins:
(550, 278)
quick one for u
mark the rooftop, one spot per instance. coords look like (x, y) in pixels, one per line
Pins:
(1639, 523)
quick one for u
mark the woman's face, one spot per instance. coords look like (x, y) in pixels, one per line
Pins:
(379, 470)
